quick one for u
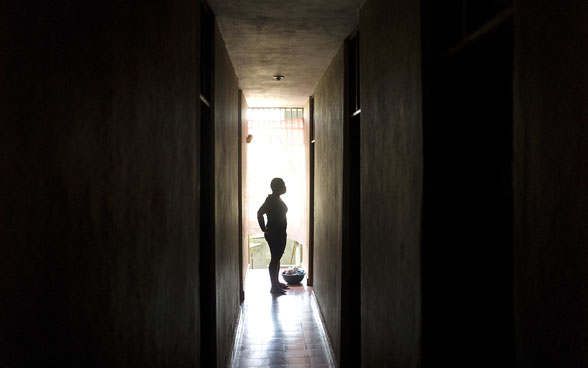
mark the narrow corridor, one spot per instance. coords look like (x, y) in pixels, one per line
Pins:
(442, 201)
(284, 331)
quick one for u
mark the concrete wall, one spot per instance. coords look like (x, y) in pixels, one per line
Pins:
(391, 183)
(99, 163)
(226, 124)
(551, 179)
(328, 119)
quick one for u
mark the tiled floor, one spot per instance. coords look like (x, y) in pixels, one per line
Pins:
(280, 331)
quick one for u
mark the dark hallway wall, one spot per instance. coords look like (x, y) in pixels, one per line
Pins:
(98, 191)
(551, 179)
(391, 183)
(328, 181)
(226, 125)
(467, 246)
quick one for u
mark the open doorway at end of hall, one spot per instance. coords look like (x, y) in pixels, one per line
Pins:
(275, 144)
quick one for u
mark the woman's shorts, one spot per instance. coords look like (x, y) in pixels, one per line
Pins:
(277, 244)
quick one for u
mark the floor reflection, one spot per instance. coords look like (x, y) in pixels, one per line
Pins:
(280, 331)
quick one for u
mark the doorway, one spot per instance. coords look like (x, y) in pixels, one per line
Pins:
(275, 147)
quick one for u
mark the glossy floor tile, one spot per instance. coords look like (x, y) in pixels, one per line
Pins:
(279, 331)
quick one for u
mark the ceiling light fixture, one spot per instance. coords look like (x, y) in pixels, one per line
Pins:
(278, 77)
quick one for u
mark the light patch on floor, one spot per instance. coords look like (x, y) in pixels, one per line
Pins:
(280, 331)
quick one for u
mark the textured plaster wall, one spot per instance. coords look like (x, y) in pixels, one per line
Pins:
(226, 124)
(391, 183)
(98, 191)
(328, 119)
(551, 179)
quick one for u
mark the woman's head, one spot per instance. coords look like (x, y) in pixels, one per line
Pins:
(278, 186)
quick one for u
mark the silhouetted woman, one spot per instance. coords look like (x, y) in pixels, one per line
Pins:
(275, 231)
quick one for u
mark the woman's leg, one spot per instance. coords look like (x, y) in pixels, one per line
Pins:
(279, 252)
(277, 246)
(274, 268)
(277, 272)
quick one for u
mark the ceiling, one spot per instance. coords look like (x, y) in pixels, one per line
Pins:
(294, 38)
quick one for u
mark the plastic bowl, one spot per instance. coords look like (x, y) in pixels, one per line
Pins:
(293, 279)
